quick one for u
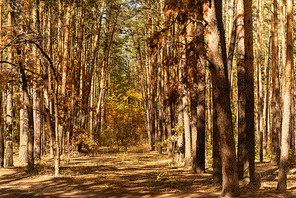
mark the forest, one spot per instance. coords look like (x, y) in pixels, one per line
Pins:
(147, 98)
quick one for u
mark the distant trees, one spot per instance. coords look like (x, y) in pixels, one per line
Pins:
(68, 76)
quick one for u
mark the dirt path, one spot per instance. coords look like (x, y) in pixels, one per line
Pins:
(127, 175)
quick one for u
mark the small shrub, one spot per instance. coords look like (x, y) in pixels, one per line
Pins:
(291, 158)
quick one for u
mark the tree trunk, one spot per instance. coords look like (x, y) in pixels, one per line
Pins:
(24, 139)
(180, 141)
(216, 53)
(160, 130)
(37, 94)
(8, 155)
(197, 91)
(246, 145)
(29, 111)
(1, 93)
(283, 168)
(1, 130)
(260, 16)
(276, 109)
(183, 81)
(78, 71)
(249, 59)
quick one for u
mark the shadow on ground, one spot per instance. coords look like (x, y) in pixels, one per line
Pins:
(128, 175)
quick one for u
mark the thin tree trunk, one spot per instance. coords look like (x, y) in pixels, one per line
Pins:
(160, 109)
(37, 95)
(276, 109)
(24, 139)
(1, 130)
(260, 14)
(8, 155)
(197, 93)
(57, 135)
(266, 98)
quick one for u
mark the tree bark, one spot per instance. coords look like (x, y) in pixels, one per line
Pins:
(37, 94)
(216, 52)
(260, 126)
(1, 93)
(286, 114)
(24, 139)
(276, 109)
(196, 64)
(29, 111)
(249, 59)
(246, 145)
(8, 155)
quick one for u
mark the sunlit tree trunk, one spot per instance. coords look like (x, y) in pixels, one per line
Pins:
(1, 129)
(24, 124)
(260, 15)
(43, 44)
(150, 85)
(266, 112)
(8, 155)
(49, 101)
(23, 148)
(66, 50)
(216, 53)
(28, 102)
(286, 113)
(180, 141)
(37, 94)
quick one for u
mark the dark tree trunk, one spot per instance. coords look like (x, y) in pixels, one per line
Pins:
(276, 108)
(197, 91)
(246, 139)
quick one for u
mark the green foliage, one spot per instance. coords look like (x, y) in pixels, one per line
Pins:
(291, 157)
(178, 130)
(164, 175)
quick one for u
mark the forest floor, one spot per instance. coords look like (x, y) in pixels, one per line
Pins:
(135, 173)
